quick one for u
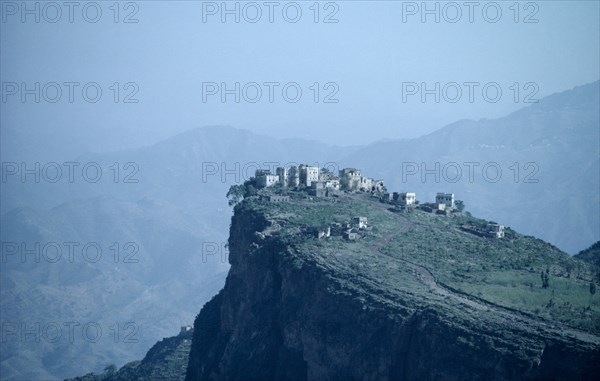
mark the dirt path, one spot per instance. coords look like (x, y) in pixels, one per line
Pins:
(427, 277)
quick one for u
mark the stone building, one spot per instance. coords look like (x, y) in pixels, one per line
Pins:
(317, 189)
(282, 173)
(359, 222)
(405, 198)
(350, 179)
(439, 207)
(332, 184)
(264, 179)
(324, 232)
(329, 180)
(275, 198)
(365, 184)
(378, 186)
(446, 199)
(350, 234)
(294, 177)
(495, 230)
(308, 175)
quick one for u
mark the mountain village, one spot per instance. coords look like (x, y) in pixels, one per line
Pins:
(323, 183)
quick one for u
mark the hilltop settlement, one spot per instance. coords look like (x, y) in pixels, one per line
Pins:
(321, 183)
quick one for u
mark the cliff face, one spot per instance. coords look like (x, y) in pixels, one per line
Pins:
(298, 312)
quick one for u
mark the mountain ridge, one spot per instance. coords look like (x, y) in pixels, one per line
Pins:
(301, 308)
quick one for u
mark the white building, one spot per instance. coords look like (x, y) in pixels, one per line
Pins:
(329, 180)
(308, 175)
(496, 230)
(405, 198)
(446, 199)
(264, 179)
(332, 184)
(360, 222)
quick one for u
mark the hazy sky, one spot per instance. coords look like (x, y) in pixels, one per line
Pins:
(368, 60)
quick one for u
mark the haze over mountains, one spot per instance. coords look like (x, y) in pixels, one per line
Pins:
(178, 203)
(555, 198)
(554, 142)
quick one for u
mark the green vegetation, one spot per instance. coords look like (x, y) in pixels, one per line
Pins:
(236, 193)
(545, 278)
(517, 272)
(166, 360)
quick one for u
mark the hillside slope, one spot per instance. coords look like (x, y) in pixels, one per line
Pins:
(165, 361)
(416, 297)
(591, 254)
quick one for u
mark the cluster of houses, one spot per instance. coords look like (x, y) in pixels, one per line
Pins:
(444, 202)
(317, 182)
(350, 231)
(324, 183)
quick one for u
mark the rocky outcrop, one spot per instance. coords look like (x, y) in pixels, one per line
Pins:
(285, 314)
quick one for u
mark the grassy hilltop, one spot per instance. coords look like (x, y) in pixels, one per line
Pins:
(401, 245)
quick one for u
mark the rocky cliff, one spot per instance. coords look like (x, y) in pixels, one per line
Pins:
(414, 298)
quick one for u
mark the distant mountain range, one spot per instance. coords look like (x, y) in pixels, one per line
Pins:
(178, 203)
(555, 195)
(548, 155)
(135, 272)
